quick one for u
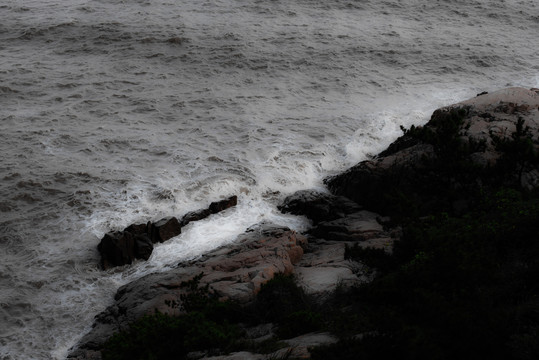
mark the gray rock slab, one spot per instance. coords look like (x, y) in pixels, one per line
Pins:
(358, 226)
(319, 280)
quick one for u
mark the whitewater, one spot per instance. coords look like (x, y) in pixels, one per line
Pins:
(118, 112)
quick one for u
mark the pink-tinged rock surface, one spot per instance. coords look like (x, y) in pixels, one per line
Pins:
(234, 272)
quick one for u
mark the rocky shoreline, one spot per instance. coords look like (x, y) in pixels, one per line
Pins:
(365, 209)
(136, 241)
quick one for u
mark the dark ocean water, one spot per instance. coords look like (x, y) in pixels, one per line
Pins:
(114, 112)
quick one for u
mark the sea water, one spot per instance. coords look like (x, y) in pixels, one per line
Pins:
(117, 112)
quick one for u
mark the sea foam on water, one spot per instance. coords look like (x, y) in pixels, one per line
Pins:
(120, 112)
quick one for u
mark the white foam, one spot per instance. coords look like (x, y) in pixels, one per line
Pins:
(109, 124)
(202, 236)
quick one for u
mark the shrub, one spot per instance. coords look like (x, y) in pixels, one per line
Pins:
(468, 280)
(206, 324)
(279, 298)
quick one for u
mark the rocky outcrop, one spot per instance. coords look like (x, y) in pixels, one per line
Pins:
(457, 150)
(233, 272)
(318, 206)
(406, 177)
(122, 247)
(337, 222)
(136, 241)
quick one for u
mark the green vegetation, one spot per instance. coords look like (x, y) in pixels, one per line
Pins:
(442, 178)
(518, 153)
(215, 327)
(282, 302)
(207, 324)
(458, 285)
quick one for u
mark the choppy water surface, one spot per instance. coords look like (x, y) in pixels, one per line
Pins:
(113, 112)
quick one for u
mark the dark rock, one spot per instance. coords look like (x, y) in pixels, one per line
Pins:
(143, 246)
(117, 249)
(136, 241)
(214, 208)
(165, 229)
(384, 183)
(318, 206)
(195, 216)
(218, 206)
(138, 229)
(123, 247)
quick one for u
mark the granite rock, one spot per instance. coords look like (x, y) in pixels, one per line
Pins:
(408, 172)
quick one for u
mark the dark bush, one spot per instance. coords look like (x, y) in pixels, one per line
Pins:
(279, 298)
(206, 325)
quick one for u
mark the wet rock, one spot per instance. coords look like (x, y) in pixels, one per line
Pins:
(218, 206)
(195, 216)
(123, 247)
(318, 206)
(138, 229)
(136, 241)
(214, 208)
(165, 229)
(117, 249)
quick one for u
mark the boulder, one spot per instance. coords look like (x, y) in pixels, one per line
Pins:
(143, 246)
(139, 229)
(136, 241)
(318, 206)
(123, 247)
(165, 229)
(117, 249)
(195, 216)
(219, 206)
